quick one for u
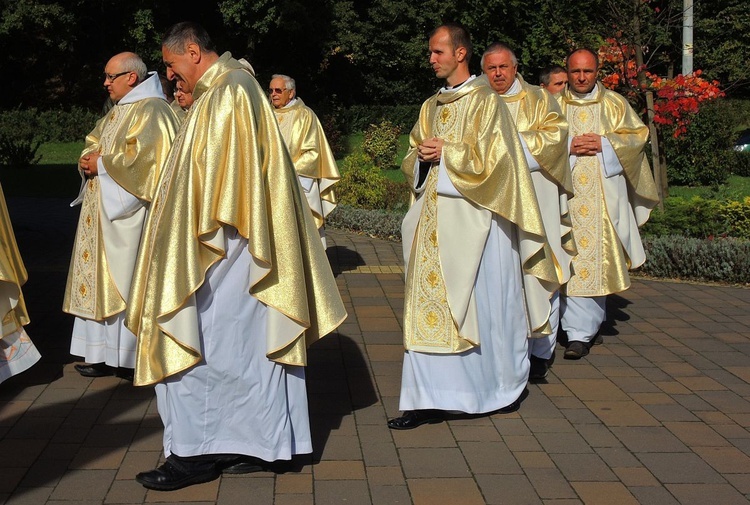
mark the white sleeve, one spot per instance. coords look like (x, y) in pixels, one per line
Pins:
(306, 182)
(445, 185)
(116, 202)
(533, 165)
(572, 157)
(610, 164)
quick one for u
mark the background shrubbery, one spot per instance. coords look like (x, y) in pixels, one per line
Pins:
(677, 257)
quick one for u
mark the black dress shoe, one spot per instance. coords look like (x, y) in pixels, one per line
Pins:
(238, 464)
(125, 373)
(538, 369)
(413, 418)
(576, 350)
(173, 475)
(95, 370)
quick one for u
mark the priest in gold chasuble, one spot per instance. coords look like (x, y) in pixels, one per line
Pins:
(614, 193)
(312, 156)
(17, 351)
(232, 283)
(119, 167)
(543, 132)
(472, 233)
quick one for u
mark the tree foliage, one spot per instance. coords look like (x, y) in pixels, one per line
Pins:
(342, 51)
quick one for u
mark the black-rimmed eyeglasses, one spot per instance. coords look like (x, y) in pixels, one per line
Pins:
(112, 77)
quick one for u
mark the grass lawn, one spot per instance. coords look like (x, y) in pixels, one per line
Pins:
(54, 176)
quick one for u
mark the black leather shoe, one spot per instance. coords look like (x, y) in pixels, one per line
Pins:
(576, 350)
(125, 373)
(539, 368)
(413, 418)
(241, 464)
(172, 476)
(95, 370)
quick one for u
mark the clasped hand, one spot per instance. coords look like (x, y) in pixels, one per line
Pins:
(587, 144)
(88, 164)
(430, 150)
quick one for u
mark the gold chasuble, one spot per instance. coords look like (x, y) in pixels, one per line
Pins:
(444, 237)
(542, 126)
(311, 154)
(229, 166)
(133, 139)
(12, 276)
(607, 211)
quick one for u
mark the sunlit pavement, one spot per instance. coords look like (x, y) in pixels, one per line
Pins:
(659, 414)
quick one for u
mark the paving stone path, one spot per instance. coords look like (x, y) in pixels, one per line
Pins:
(659, 414)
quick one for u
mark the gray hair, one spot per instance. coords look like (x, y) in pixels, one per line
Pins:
(289, 83)
(131, 62)
(497, 47)
(179, 35)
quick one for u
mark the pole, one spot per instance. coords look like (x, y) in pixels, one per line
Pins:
(687, 37)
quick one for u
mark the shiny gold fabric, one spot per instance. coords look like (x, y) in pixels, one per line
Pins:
(12, 276)
(627, 134)
(228, 166)
(485, 162)
(311, 154)
(427, 313)
(544, 129)
(133, 140)
(601, 266)
(480, 164)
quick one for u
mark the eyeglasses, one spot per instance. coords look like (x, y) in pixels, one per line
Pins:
(278, 91)
(112, 77)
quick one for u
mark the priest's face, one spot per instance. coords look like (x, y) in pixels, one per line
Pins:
(182, 68)
(117, 82)
(556, 82)
(582, 72)
(500, 70)
(443, 56)
(280, 96)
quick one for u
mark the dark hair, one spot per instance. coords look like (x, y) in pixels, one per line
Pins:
(179, 35)
(583, 49)
(546, 74)
(459, 37)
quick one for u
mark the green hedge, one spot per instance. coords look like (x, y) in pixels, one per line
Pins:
(717, 260)
(700, 218)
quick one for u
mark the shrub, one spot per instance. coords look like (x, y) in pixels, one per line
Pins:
(375, 223)
(381, 143)
(359, 117)
(67, 126)
(700, 218)
(719, 260)
(741, 165)
(20, 138)
(361, 184)
(336, 139)
(703, 155)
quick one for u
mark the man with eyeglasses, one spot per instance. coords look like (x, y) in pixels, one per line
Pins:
(232, 283)
(119, 167)
(312, 156)
(543, 133)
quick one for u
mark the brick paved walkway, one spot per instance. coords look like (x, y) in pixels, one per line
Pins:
(659, 414)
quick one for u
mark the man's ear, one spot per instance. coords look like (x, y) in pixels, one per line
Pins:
(460, 53)
(194, 51)
(292, 94)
